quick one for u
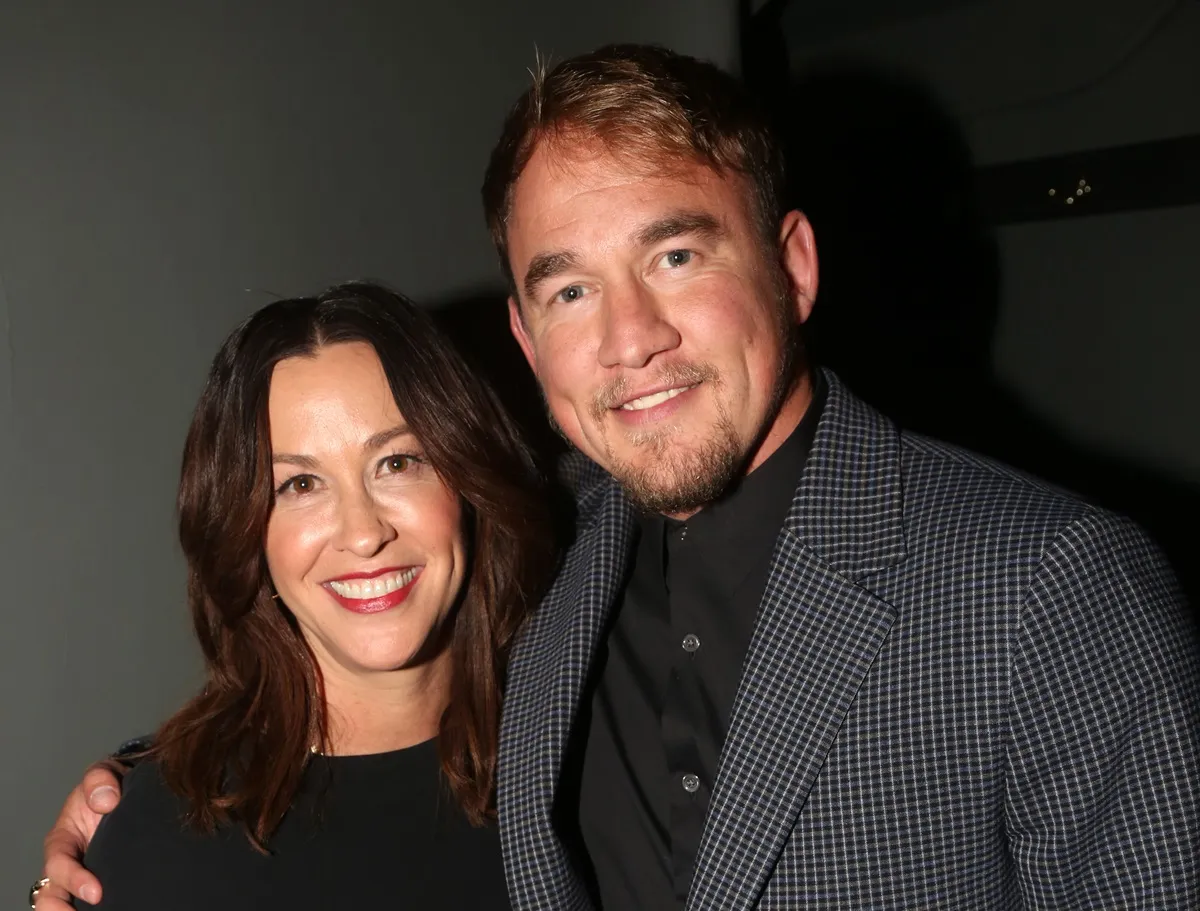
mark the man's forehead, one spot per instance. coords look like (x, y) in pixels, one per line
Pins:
(557, 175)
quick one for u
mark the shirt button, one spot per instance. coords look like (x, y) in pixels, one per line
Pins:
(691, 642)
(691, 784)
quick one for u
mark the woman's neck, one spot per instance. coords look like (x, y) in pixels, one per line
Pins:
(387, 711)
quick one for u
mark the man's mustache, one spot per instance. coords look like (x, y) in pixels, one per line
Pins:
(616, 392)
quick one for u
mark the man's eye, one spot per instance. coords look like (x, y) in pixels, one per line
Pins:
(300, 484)
(676, 258)
(570, 294)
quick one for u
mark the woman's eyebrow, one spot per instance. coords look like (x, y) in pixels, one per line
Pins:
(386, 436)
(301, 461)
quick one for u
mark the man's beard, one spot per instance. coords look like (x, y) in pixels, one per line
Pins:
(673, 481)
(666, 477)
(670, 481)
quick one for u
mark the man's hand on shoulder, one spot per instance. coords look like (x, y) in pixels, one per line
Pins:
(96, 795)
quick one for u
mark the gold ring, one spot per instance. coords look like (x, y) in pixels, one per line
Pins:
(35, 889)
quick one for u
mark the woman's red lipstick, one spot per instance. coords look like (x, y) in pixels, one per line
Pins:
(376, 603)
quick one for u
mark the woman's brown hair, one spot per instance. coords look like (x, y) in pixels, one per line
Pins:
(237, 751)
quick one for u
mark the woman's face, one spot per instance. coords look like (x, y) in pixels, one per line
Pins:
(365, 543)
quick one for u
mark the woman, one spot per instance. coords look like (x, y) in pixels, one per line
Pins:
(364, 531)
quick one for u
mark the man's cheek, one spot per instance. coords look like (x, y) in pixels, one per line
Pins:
(561, 374)
(559, 401)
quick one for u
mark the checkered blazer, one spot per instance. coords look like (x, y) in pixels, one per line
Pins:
(965, 689)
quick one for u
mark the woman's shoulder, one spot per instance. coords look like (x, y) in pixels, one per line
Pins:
(149, 817)
(145, 798)
(146, 848)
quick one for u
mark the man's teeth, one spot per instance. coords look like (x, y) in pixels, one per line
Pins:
(649, 401)
(362, 589)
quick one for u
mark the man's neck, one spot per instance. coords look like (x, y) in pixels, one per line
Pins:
(791, 412)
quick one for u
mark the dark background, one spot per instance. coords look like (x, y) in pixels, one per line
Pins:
(165, 170)
(941, 279)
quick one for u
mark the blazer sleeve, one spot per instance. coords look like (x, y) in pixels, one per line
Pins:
(1102, 804)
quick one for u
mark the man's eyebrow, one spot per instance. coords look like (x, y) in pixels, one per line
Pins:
(376, 440)
(547, 265)
(677, 225)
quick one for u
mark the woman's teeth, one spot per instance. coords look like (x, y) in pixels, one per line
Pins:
(364, 589)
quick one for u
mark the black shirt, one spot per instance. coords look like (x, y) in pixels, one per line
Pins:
(378, 831)
(649, 737)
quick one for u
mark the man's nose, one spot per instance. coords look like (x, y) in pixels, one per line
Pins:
(636, 327)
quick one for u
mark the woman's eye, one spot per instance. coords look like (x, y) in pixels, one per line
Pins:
(300, 484)
(400, 463)
(676, 258)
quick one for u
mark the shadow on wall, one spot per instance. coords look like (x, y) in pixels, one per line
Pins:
(478, 323)
(910, 285)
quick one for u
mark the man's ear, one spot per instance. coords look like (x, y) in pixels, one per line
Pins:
(798, 257)
(516, 323)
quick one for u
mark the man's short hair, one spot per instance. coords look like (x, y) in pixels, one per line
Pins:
(647, 104)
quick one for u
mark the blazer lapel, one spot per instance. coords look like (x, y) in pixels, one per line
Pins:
(595, 569)
(817, 634)
(546, 679)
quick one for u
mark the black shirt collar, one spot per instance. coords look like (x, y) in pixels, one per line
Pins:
(742, 526)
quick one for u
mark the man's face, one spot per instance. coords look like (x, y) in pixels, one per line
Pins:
(657, 318)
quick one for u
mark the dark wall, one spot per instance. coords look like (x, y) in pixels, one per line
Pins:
(1064, 346)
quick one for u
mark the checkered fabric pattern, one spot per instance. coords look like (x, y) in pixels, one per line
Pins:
(966, 689)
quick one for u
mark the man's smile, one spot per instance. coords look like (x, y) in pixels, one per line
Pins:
(650, 399)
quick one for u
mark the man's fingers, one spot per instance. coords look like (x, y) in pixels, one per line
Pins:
(103, 789)
(64, 851)
(68, 875)
(103, 799)
(68, 840)
(53, 898)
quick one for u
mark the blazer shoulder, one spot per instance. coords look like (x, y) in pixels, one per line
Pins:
(946, 486)
(927, 460)
(584, 480)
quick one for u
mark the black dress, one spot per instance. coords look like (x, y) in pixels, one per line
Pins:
(378, 831)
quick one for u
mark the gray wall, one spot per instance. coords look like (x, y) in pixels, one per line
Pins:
(1097, 315)
(161, 172)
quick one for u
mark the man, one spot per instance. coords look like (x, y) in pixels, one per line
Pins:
(795, 656)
